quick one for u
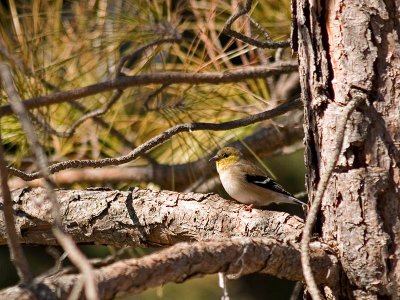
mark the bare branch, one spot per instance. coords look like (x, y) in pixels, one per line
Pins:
(185, 260)
(127, 143)
(16, 253)
(124, 218)
(116, 95)
(262, 29)
(159, 139)
(95, 113)
(157, 78)
(66, 242)
(184, 174)
(310, 279)
(249, 40)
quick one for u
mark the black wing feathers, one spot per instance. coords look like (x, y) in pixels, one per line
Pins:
(267, 183)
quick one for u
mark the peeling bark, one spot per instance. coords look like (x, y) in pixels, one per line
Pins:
(144, 218)
(178, 263)
(221, 235)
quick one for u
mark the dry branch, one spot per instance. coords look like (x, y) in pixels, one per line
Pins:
(180, 176)
(116, 94)
(63, 239)
(249, 40)
(16, 253)
(122, 138)
(161, 138)
(183, 261)
(158, 78)
(144, 218)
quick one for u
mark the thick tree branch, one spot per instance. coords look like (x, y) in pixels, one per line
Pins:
(183, 261)
(144, 218)
(159, 139)
(124, 82)
(179, 176)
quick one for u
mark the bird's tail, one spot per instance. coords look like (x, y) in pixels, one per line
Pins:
(297, 201)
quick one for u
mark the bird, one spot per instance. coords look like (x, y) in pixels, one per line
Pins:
(247, 183)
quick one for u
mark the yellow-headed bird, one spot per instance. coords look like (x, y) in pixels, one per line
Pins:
(247, 183)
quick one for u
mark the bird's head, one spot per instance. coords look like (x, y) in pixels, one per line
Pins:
(226, 157)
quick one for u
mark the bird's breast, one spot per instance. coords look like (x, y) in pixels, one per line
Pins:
(234, 184)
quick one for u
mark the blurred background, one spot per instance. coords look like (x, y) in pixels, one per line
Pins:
(61, 45)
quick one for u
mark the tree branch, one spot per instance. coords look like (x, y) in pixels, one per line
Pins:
(116, 94)
(157, 78)
(180, 176)
(92, 114)
(16, 253)
(235, 257)
(144, 218)
(249, 40)
(63, 239)
(159, 139)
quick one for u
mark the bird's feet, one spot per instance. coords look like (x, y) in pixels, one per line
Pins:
(249, 207)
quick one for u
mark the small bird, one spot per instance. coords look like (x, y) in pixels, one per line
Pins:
(247, 183)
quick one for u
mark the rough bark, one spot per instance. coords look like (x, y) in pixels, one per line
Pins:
(235, 257)
(144, 218)
(345, 46)
(229, 238)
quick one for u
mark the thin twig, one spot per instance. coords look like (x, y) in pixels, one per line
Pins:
(116, 95)
(223, 285)
(127, 143)
(140, 50)
(160, 174)
(151, 96)
(296, 291)
(315, 206)
(249, 40)
(16, 253)
(95, 113)
(260, 28)
(65, 240)
(159, 139)
(124, 82)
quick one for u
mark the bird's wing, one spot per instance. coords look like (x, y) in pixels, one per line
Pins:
(267, 183)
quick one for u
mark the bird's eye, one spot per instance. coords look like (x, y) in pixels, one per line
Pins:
(225, 155)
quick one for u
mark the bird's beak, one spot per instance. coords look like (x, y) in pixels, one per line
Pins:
(214, 158)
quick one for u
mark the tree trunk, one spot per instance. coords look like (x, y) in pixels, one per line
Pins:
(346, 46)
